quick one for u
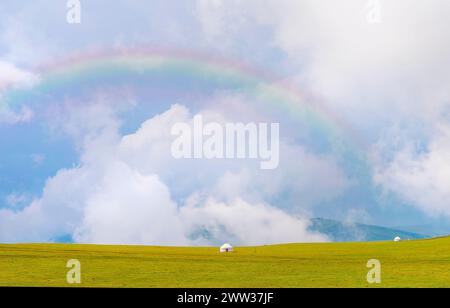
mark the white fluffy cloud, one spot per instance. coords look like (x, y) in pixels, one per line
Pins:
(301, 175)
(422, 176)
(393, 73)
(356, 65)
(127, 207)
(129, 190)
(383, 77)
(12, 77)
(247, 224)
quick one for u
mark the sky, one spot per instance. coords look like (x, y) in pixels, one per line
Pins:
(359, 88)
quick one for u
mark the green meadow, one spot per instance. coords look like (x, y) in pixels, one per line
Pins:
(421, 263)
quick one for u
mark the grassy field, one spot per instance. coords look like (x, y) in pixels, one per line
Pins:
(422, 263)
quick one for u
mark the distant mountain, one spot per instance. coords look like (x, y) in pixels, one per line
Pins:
(354, 232)
(436, 229)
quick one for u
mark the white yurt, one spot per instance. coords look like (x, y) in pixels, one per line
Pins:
(397, 239)
(226, 248)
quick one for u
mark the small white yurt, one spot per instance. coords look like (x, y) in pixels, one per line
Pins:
(226, 248)
(397, 239)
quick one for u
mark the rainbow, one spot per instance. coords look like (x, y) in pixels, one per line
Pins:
(145, 66)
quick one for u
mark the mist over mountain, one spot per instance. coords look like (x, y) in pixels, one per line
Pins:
(338, 231)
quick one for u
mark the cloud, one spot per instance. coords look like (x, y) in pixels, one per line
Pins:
(246, 224)
(27, 225)
(129, 208)
(15, 200)
(357, 66)
(12, 77)
(302, 180)
(129, 190)
(29, 37)
(301, 177)
(389, 79)
(421, 175)
(25, 114)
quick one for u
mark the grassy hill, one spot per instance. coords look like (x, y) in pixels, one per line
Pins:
(421, 263)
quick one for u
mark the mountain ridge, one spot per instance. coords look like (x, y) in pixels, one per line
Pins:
(338, 231)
